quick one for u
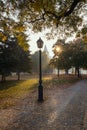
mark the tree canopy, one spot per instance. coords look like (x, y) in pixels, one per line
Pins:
(73, 54)
(13, 58)
(41, 14)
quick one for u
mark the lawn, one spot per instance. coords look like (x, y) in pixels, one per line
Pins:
(13, 91)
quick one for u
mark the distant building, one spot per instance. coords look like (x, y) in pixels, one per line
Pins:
(45, 50)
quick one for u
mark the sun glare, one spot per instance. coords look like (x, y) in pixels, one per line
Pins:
(58, 49)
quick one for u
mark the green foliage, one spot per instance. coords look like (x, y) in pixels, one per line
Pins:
(38, 14)
(13, 58)
(72, 54)
(78, 53)
(62, 56)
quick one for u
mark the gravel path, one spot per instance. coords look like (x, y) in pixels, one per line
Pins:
(62, 110)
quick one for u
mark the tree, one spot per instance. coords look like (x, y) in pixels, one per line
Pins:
(58, 60)
(21, 58)
(4, 62)
(13, 58)
(66, 57)
(78, 54)
(35, 62)
(55, 62)
(43, 13)
(45, 62)
(72, 54)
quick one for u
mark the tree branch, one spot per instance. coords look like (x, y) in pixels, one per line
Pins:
(74, 4)
(66, 13)
(38, 19)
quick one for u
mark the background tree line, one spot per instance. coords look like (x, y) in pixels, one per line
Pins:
(68, 55)
(46, 69)
(17, 17)
(15, 58)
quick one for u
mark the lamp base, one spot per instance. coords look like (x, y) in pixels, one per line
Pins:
(40, 93)
(40, 100)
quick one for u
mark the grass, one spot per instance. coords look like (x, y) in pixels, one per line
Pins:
(12, 91)
(60, 81)
(16, 88)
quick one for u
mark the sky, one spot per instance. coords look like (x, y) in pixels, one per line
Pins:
(48, 43)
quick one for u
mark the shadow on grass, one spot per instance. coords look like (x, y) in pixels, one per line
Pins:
(10, 83)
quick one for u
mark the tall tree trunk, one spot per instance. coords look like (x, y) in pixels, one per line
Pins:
(3, 78)
(72, 70)
(58, 71)
(75, 70)
(66, 71)
(78, 72)
(18, 75)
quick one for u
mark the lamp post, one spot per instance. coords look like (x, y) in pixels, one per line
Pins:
(40, 87)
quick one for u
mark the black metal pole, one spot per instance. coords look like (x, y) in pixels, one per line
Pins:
(40, 87)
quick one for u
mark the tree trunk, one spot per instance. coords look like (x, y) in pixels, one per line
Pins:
(3, 78)
(66, 71)
(18, 75)
(78, 72)
(75, 71)
(58, 72)
(72, 70)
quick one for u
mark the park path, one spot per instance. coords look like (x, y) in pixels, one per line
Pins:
(62, 110)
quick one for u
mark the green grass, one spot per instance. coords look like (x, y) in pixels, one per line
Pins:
(16, 88)
(11, 91)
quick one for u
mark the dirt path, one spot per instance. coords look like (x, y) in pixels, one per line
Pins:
(62, 110)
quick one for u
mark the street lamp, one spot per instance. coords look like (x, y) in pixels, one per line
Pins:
(40, 87)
